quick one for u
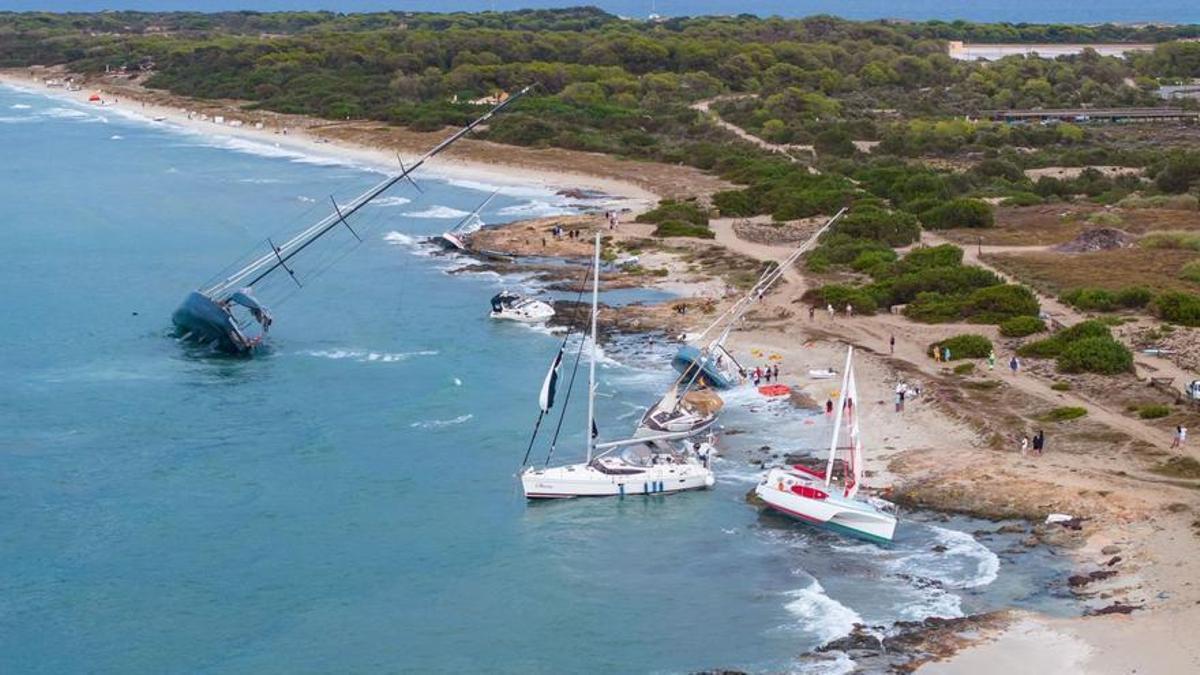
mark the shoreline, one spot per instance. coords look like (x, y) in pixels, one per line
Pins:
(306, 138)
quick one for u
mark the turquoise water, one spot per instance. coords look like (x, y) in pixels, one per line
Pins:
(1016, 11)
(347, 501)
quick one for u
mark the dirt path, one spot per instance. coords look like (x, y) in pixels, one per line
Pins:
(705, 107)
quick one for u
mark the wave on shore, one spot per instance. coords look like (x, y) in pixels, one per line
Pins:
(362, 356)
(820, 614)
(437, 212)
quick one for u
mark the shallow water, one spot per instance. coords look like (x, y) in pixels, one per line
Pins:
(347, 501)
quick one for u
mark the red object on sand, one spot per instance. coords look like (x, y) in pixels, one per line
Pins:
(94, 97)
(775, 390)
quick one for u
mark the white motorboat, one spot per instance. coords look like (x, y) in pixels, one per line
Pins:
(816, 497)
(506, 305)
(822, 374)
(687, 414)
(645, 465)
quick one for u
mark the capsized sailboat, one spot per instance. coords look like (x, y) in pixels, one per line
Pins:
(820, 498)
(226, 313)
(716, 367)
(515, 307)
(645, 465)
(451, 239)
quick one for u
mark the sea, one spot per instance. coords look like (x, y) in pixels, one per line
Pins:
(347, 500)
(1015, 11)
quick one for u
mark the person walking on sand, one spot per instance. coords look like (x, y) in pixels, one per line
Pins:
(849, 310)
(1014, 364)
(892, 345)
(828, 406)
(812, 312)
(991, 360)
(1039, 442)
(1025, 443)
(767, 374)
(1180, 435)
(776, 372)
(946, 354)
(829, 307)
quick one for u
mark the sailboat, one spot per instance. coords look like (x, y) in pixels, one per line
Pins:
(715, 365)
(514, 307)
(451, 240)
(818, 497)
(645, 465)
(227, 315)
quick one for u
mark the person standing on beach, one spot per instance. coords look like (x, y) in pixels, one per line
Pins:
(1039, 442)
(892, 345)
(776, 372)
(1180, 436)
(829, 307)
(991, 360)
(1025, 443)
(812, 312)
(1014, 364)
(849, 310)
(828, 406)
(946, 354)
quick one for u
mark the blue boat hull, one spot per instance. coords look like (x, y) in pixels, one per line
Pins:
(199, 319)
(688, 358)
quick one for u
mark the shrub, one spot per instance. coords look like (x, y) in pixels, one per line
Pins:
(1191, 272)
(945, 255)
(679, 228)
(1178, 307)
(966, 346)
(995, 304)
(1061, 386)
(670, 210)
(1090, 299)
(962, 212)
(840, 295)
(1020, 326)
(894, 228)
(1153, 411)
(1063, 414)
(1022, 199)
(1105, 218)
(1177, 202)
(873, 259)
(964, 368)
(1133, 297)
(1170, 239)
(934, 308)
(1055, 344)
(1101, 355)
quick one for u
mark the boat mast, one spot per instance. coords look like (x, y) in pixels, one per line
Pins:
(591, 416)
(837, 416)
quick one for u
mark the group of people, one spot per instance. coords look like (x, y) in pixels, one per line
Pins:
(1038, 442)
(848, 309)
(905, 393)
(558, 231)
(613, 219)
(761, 373)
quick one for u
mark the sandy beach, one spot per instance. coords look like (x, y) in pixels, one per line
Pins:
(941, 453)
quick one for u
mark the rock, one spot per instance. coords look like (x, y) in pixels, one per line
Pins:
(1111, 549)
(1097, 239)
(1077, 580)
(938, 549)
(1031, 541)
(1115, 608)
(1011, 528)
(1113, 561)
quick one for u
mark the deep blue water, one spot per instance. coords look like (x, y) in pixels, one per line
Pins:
(346, 502)
(1027, 11)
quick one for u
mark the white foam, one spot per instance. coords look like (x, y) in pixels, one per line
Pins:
(437, 212)
(963, 545)
(536, 208)
(504, 189)
(116, 137)
(363, 356)
(820, 614)
(391, 201)
(8, 119)
(20, 106)
(437, 424)
(260, 181)
(306, 200)
(827, 663)
(66, 114)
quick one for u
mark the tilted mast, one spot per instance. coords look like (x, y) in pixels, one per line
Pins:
(591, 416)
(837, 417)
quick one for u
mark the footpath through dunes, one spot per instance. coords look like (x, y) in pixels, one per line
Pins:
(942, 453)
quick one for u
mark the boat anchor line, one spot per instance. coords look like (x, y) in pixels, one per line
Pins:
(207, 314)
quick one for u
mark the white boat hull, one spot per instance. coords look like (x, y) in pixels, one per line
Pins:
(848, 516)
(526, 311)
(582, 480)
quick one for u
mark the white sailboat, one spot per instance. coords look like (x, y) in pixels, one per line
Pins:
(817, 497)
(514, 307)
(716, 366)
(452, 239)
(686, 413)
(646, 465)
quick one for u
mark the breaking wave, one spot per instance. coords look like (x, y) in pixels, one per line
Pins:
(391, 201)
(20, 106)
(438, 212)
(536, 208)
(116, 137)
(260, 181)
(820, 614)
(362, 356)
(437, 424)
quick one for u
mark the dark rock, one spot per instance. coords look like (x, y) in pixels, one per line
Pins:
(1011, 528)
(1113, 561)
(938, 549)
(1077, 580)
(1115, 608)
(1111, 549)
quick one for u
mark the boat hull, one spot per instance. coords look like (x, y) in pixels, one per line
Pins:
(834, 512)
(199, 319)
(581, 480)
(689, 358)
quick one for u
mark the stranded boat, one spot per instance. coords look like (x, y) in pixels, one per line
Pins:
(645, 465)
(451, 240)
(816, 497)
(513, 307)
(716, 367)
(226, 313)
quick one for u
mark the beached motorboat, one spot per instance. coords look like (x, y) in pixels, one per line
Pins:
(228, 314)
(645, 465)
(822, 374)
(452, 239)
(817, 497)
(513, 307)
(716, 367)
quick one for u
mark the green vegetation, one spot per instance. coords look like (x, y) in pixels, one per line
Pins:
(966, 346)
(1179, 240)
(1021, 326)
(1179, 467)
(1191, 272)
(1063, 414)
(959, 213)
(1101, 355)
(840, 295)
(1152, 411)
(1053, 346)
(1104, 300)
(964, 369)
(679, 228)
(1178, 307)
(1061, 386)
(678, 219)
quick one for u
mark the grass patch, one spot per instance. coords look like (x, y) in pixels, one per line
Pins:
(1191, 272)
(964, 369)
(679, 228)
(1179, 467)
(1176, 240)
(1153, 411)
(1155, 269)
(982, 385)
(1061, 386)
(1062, 414)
